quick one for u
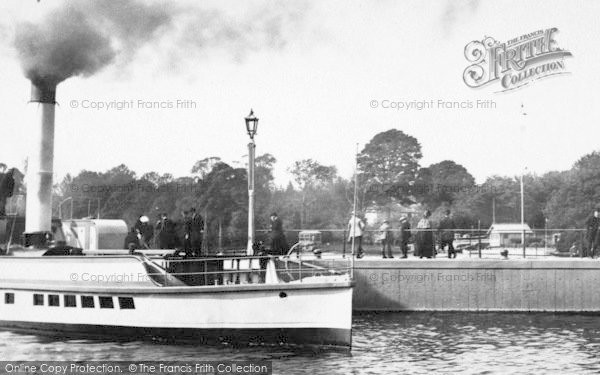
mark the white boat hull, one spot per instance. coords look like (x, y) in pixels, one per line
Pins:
(302, 313)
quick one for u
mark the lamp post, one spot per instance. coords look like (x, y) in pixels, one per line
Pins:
(251, 126)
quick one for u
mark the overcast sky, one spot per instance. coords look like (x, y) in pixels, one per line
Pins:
(310, 71)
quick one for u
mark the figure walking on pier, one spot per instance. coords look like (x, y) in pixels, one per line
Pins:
(592, 232)
(404, 235)
(446, 229)
(355, 229)
(424, 241)
(386, 239)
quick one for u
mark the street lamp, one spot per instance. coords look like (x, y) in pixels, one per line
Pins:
(251, 126)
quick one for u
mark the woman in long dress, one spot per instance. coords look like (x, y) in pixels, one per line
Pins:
(424, 238)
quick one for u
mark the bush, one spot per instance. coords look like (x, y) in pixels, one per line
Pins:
(567, 239)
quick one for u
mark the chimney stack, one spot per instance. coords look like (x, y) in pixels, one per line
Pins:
(38, 214)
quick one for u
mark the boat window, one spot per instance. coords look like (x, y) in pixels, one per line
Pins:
(70, 301)
(87, 302)
(126, 303)
(9, 298)
(106, 302)
(53, 300)
(38, 299)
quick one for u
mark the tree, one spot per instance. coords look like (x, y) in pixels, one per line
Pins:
(575, 198)
(202, 167)
(310, 175)
(441, 182)
(388, 167)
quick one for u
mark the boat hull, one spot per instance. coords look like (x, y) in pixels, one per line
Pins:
(298, 337)
(51, 300)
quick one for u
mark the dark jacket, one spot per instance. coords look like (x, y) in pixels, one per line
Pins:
(592, 225)
(279, 245)
(145, 230)
(7, 184)
(196, 227)
(446, 228)
(167, 234)
(404, 234)
(132, 238)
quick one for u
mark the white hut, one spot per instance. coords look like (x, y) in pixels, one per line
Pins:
(507, 234)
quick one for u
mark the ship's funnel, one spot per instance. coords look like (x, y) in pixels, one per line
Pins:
(40, 164)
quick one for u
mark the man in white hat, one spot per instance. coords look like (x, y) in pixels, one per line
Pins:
(355, 230)
(145, 231)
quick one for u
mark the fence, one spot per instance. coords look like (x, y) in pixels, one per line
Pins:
(468, 242)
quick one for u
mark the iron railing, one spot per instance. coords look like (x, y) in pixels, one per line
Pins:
(213, 271)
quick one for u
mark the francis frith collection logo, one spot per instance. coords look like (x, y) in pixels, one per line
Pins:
(514, 63)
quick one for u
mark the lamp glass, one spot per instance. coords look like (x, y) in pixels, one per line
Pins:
(251, 124)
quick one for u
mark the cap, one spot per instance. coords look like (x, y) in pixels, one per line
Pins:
(144, 219)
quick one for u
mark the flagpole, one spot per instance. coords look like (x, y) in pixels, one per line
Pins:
(354, 208)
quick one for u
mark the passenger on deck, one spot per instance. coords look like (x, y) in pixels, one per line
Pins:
(167, 236)
(7, 186)
(131, 240)
(187, 233)
(145, 231)
(196, 231)
(279, 245)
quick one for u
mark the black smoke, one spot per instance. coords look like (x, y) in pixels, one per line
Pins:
(81, 37)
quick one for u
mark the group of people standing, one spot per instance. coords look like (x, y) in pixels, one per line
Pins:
(142, 234)
(424, 244)
(7, 187)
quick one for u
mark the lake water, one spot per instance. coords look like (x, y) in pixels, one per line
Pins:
(385, 343)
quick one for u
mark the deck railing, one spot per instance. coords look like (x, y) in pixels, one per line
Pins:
(240, 270)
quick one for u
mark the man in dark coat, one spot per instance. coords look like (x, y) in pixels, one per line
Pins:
(279, 245)
(446, 233)
(132, 242)
(196, 231)
(167, 236)
(592, 234)
(187, 233)
(7, 185)
(404, 235)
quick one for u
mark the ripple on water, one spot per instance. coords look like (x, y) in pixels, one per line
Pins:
(411, 343)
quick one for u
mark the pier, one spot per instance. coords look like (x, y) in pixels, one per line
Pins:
(548, 285)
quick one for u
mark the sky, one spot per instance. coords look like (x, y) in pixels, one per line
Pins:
(318, 75)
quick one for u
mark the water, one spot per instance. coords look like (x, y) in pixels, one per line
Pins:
(387, 343)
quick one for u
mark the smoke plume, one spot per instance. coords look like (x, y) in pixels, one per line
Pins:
(81, 37)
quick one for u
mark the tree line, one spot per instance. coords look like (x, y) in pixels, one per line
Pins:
(390, 180)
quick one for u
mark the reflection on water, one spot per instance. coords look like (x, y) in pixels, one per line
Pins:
(412, 343)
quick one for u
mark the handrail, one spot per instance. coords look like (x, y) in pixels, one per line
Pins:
(243, 275)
